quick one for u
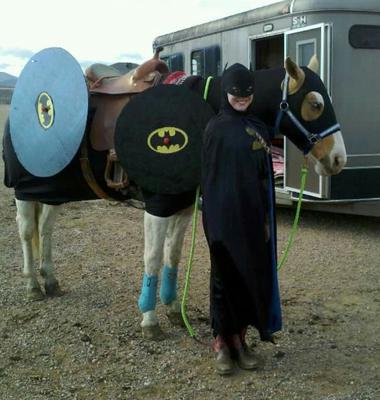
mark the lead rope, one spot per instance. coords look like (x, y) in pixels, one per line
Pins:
(189, 266)
(192, 246)
(284, 257)
(296, 218)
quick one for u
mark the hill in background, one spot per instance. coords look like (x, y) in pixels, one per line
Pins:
(7, 80)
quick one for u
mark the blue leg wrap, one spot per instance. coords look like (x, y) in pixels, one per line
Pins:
(168, 289)
(147, 299)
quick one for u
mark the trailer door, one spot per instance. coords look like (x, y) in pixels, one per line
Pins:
(300, 45)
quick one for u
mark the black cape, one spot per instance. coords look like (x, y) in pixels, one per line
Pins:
(238, 201)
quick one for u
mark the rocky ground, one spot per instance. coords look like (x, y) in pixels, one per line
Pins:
(88, 345)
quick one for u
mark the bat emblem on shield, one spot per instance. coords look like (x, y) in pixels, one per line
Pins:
(45, 110)
(167, 140)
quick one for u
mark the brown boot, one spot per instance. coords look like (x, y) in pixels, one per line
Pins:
(244, 357)
(223, 363)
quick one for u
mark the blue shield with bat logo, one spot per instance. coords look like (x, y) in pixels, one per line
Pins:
(48, 113)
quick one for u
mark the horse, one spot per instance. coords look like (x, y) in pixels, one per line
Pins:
(292, 99)
(295, 102)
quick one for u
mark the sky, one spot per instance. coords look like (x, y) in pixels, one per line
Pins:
(105, 31)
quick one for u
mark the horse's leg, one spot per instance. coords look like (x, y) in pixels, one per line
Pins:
(154, 231)
(46, 220)
(172, 254)
(27, 225)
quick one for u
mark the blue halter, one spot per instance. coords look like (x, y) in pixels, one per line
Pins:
(312, 138)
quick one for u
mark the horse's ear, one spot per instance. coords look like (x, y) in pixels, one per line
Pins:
(314, 64)
(297, 75)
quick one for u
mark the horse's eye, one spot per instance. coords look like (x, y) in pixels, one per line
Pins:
(312, 106)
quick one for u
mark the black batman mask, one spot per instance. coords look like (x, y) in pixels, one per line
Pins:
(238, 81)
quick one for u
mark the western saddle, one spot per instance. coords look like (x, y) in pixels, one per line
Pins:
(110, 91)
(108, 80)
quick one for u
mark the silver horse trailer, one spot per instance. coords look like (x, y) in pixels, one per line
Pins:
(345, 35)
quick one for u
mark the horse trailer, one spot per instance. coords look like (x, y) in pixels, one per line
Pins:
(345, 36)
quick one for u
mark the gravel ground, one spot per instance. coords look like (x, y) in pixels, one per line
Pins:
(88, 345)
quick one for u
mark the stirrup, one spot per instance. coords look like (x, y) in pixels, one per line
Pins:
(119, 178)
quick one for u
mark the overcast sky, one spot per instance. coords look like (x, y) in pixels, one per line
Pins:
(100, 31)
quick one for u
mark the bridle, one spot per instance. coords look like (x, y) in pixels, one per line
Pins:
(312, 138)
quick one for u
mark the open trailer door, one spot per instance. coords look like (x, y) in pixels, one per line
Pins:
(301, 44)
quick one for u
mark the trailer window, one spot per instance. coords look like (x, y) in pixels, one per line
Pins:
(206, 62)
(197, 62)
(305, 50)
(364, 36)
(174, 62)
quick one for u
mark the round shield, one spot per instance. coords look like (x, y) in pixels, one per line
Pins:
(158, 138)
(48, 113)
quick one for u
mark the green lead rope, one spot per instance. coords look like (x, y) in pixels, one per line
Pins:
(296, 219)
(189, 266)
(193, 235)
(192, 246)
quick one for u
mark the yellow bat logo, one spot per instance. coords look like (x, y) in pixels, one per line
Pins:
(45, 110)
(258, 143)
(167, 140)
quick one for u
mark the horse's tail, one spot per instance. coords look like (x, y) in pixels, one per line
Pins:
(36, 233)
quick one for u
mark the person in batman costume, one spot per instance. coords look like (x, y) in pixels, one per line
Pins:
(239, 224)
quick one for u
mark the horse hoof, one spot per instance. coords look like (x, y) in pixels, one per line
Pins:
(152, 332)
(175, 318)
(53, 289)
(35, 294)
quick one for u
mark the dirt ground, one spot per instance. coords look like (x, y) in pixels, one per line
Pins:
(88, 345)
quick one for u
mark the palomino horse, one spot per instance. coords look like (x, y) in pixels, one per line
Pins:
(300, 108)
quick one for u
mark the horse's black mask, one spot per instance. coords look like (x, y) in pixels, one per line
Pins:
(312, 83)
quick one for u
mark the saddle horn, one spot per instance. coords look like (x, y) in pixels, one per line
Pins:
(154, 64)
